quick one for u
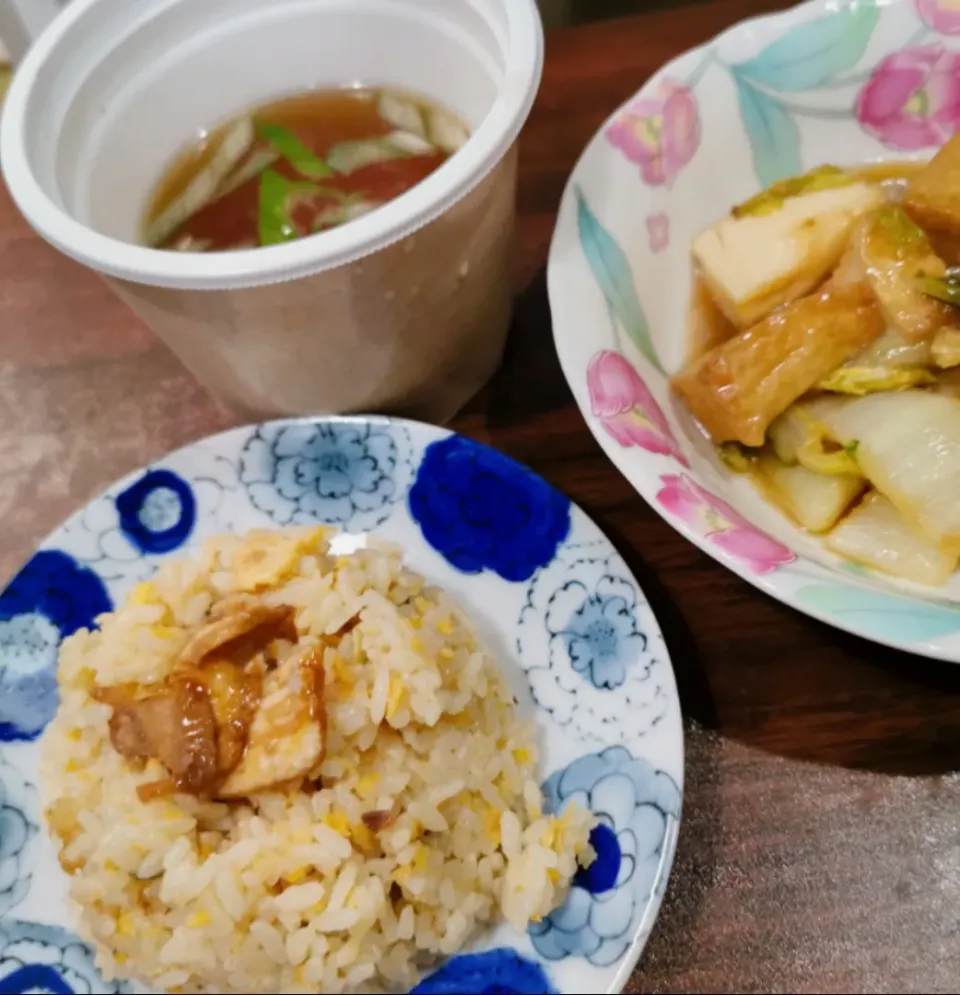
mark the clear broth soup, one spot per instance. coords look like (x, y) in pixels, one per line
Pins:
(298, 167)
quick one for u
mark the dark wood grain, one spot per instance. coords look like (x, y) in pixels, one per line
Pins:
(820, 849)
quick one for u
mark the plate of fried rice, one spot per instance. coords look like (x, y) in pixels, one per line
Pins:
(332, 705)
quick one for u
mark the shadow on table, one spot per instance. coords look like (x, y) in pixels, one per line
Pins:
(765, 675)
(880, 710)
(530, 381)
(749, 670)
(783, 683)
(915, 730)
(674, 934)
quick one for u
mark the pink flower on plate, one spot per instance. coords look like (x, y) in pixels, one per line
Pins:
(660, 132)
(721, 525)
(658, 230)
(627, 409)
(941, 15)
(912, 100)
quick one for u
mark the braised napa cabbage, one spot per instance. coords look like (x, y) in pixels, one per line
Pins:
(832, 378)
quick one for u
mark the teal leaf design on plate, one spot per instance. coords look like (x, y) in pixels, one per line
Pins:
(882, 615)
(856, 568)
(816, 52)
(773, 134)
(612, 271)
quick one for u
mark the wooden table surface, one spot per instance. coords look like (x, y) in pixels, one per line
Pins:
(820, 848)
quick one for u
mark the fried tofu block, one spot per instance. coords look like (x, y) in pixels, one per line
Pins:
(709, 326)
(896, 254)
(933, 201)
(737, 389)
(754, 263)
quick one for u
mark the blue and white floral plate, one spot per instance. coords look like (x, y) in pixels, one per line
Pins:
(545, 587)
(838, 81)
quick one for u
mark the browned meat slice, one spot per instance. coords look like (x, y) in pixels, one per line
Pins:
(235, 695)
(224, 724)
(174, 723)
(240, 634)
(288, 734)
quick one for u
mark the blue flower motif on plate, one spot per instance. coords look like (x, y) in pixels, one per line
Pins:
(503, 972)
(637, 808)
(582, 640)
(48, 961)
(601, 635)
(342, 473)
(125, 534)
(482, 511)
(51, 598)
(18, 830)
(158, 512)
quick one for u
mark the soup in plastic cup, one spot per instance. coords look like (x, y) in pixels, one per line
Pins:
(404, 309)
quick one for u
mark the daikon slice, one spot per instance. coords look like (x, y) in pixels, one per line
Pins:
(187, 243)
(907, 445)
(253, 166)
(446, 130)
(411, 143)
(876, 535)
(406, 115)
(349, 156)
(815, 500)
(233, 148)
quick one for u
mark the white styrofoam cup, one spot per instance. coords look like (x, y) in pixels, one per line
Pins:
(113, 88)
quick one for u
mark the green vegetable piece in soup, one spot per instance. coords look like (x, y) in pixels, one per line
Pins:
(294, 151)
(285, 170)
(274, 223)
(770, 200)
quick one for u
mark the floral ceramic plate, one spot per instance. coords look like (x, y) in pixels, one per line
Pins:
(548, 592)
(829, 81)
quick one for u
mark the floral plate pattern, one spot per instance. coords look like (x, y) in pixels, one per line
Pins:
(839, 81)
(547, 590)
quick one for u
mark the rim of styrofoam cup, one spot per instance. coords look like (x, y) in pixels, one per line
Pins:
(364, 236)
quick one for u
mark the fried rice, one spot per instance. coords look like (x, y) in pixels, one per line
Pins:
(419, 823)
